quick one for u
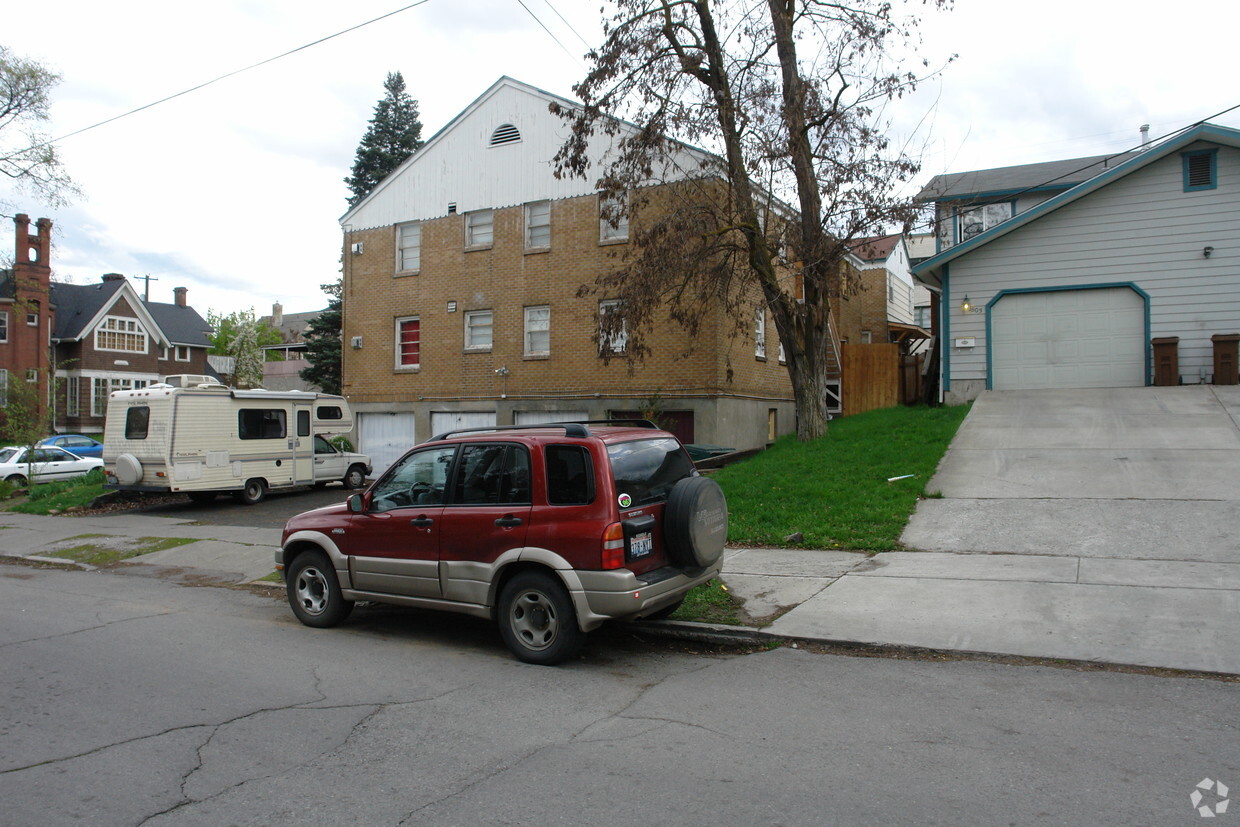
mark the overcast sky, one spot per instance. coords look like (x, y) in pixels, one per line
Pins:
(235, 191)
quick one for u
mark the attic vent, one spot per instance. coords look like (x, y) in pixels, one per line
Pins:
(1200, 170)
(505, 134)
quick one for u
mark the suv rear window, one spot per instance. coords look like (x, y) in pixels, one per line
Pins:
(647, 469)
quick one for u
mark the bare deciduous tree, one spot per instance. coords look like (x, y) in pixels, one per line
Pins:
(788, 99)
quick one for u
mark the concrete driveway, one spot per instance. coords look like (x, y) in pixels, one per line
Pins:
(1097, 525)
(1135, 473)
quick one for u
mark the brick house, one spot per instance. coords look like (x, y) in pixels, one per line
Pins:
(108, 338)
(25, 310)
(284, 374)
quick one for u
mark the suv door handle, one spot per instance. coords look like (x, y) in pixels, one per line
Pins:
(508, 522)
(422, 522)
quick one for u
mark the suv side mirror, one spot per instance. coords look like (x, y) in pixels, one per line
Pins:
(357, 503)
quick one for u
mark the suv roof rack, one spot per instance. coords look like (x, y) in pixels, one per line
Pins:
(571, 429)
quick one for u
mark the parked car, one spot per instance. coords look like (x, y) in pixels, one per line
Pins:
(549, 530)
(49, 464)
(78, 444)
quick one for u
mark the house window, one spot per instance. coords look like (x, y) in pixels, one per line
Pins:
(478, 329)
(922, 316)
(102, 387)
(538, 331)
(32, 374)
(1200, 170)
(976, 220)
(4, 326)
(759, 333)
(163, 353)
(612, 334)
(408, 343)
(182, 354)
(73, 403)
(4, 387)
(478, 228)
(409, 244)
(538, 225)
(613, 219)
(124, 335)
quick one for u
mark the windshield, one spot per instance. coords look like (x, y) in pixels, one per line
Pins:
(647, 469)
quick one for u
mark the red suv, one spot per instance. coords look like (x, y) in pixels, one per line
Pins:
(550, 530)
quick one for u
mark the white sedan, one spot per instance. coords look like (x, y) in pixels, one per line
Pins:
(47, 464)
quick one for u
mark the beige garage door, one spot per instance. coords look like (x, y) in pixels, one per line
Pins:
(1068, 339)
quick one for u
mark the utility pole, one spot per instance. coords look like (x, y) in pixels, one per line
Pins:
(148, 278)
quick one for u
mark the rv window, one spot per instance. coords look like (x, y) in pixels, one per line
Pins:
(136, 421)
(330, 412)
(303, 423)
(261, 423)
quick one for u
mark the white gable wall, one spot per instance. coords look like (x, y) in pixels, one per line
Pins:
(1141, 229)
(460, 166)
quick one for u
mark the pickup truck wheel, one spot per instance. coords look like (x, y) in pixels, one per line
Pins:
(255, 492)
(695, 522)
(355, 478)
(537, 621)
(314, 591)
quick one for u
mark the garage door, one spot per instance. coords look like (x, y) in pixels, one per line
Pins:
(384, 437)
(1068, 339)
(444, 421)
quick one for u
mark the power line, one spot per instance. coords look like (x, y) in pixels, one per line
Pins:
(584, 42)
(216, 80)
(548, 31)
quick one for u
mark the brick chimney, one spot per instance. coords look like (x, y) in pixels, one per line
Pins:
(277, 314)
(107, 277)
(32, 323)
(180, 292)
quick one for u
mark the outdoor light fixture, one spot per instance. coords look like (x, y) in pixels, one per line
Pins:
(965, 307)
(1206, 252)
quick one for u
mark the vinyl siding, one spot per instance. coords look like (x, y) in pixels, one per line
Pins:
(1141, 229)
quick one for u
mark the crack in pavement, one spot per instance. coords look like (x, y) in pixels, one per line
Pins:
(73, 632)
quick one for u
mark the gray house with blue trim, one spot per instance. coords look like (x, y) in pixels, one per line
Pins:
(1067, 288)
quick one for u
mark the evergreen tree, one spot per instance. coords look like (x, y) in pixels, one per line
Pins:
(394, 134)
(323, 345)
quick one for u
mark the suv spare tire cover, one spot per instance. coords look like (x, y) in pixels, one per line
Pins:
(695, 522)
(128, 469)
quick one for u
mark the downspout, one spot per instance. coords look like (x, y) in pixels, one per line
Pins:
(945, 313)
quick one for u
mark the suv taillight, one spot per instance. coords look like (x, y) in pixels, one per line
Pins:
(613, 546)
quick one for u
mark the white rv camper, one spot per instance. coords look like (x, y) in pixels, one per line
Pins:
(205, 439)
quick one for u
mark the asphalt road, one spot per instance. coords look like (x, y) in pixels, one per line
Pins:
(126, 699)
(273, 512)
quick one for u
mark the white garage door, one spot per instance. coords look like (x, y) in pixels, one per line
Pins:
(543, 417)
(444, 421)
(384, 437)
(1068, 339)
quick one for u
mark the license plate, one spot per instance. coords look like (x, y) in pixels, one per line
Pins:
(641, 544)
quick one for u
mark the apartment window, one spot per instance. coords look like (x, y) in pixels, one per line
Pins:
(32, 319)
(613, 219)
(891, 288)
(119, 334)
(409, 248)
(976, 220)
(759, 333)
(4, 387)
(783, 359)
(479, 228)
(4, 326)
(478, 330)
(538, 331)
(73, 403)
(612, 334)
(867, 337)
(32, 375)
(182, 353)
(538, 225)
(408, 343)
(1200, 170)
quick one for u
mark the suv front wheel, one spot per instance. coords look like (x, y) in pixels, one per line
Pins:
(314, 591)
(537, 621)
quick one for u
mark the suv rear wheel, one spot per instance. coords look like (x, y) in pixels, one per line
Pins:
(537, 621)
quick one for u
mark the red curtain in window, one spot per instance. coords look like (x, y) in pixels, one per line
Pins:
(410, 342)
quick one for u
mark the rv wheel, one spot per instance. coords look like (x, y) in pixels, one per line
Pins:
(255, 492)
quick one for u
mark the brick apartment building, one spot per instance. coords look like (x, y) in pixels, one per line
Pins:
(26, 316)
(461, 301)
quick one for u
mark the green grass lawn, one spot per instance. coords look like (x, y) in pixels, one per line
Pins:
(58, 496)
(835, 490)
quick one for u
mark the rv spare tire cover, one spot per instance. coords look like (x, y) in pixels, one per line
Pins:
(128, 470)
(695, 522)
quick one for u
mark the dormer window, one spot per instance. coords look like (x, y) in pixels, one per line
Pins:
(1200, 170)
(505, 133)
